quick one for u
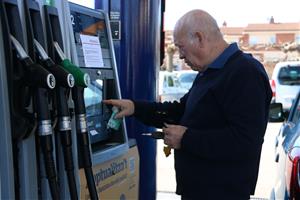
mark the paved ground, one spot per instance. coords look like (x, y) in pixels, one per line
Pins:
(166, 175)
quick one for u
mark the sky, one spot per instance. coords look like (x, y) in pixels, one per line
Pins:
(87, 3)
(237, 13)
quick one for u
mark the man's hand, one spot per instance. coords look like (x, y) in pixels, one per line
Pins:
(173, 135)
(126, 106)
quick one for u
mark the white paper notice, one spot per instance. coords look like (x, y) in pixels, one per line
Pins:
(91, 51)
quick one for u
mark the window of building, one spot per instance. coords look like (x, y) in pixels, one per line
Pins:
(298, 39)
(253, 40)
(272, 39)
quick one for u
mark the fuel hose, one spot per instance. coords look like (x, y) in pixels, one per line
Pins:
(65, 81)
(84, 157)
(41, 80)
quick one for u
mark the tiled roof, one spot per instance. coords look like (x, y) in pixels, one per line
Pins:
(273, 27)
(256, 28)
(232, 30)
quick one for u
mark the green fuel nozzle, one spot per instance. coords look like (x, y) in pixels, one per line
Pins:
(81, 79)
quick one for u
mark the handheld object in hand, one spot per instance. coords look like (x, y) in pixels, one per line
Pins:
(112, 122)
(155, 135)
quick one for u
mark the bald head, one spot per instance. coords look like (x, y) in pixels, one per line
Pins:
(198, 39)
(198, 21)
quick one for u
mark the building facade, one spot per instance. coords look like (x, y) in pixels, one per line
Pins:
(268, 42)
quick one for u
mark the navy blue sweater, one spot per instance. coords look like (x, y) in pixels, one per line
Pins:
(226, 113)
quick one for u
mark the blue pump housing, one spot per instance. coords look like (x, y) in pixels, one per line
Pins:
(138, 59)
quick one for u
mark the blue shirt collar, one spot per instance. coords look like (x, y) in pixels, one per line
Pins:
(220, 61)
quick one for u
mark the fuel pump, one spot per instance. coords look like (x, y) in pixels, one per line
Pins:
(111, 150)
(64, 120)
(42, 80)
(47, 92)
(7, 172)
(65, 81)
(19, 107)
(22, 120)
(39, 81)
(81, 81)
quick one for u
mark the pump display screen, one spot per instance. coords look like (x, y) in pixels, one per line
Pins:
(93, 96)
(91, 39)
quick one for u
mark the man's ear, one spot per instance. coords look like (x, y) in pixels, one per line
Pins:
(200, 38)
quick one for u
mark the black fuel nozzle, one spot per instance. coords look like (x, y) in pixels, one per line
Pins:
(40, 78)
(63, 77)
(65, 81)
(36, 75)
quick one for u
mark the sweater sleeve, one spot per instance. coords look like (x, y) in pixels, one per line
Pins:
(244, 99)
(156, 114)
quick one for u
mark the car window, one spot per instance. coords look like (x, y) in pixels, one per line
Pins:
(170, 81)
(187, 78)
(289, 75)
(296, 113)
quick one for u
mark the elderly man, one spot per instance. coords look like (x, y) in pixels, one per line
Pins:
(217, 128)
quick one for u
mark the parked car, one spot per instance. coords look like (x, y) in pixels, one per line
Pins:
(287, 152)
(285, 82)
(169, 87)
(186, 78)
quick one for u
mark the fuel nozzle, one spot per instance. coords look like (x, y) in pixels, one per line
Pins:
(39, 77)
(81, 79)
(155, 134)
(63, 78)
(36, 75)
(65, 81)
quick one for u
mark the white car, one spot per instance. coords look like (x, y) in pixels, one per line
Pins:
(285, 83)
(169, 87)
(186, 78)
